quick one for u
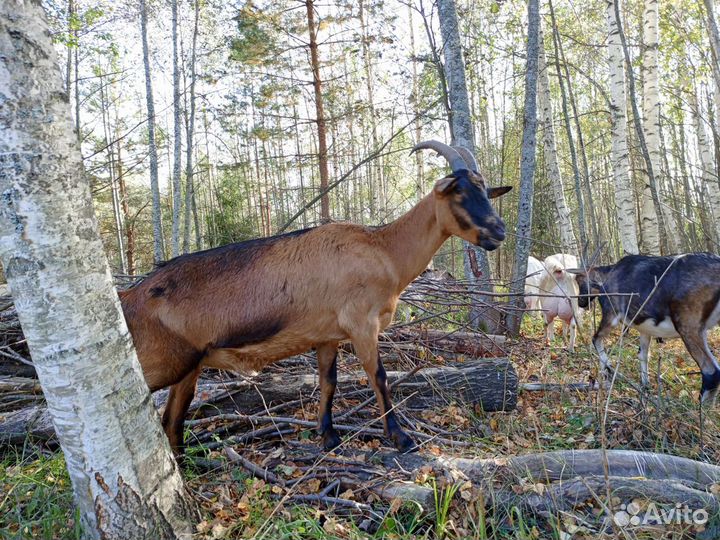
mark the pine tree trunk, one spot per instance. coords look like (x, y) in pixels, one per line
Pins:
(567, 234)
(158, 249)
(125, 480)
(319, 111)
(527, 169)
(624, 200)
(369, 78)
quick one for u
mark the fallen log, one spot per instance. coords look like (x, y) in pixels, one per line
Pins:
(567, 495)
(565, 465)
(488, 383)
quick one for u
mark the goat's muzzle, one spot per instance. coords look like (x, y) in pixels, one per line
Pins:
(492, 234)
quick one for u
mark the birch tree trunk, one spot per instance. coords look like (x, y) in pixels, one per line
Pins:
(527, 169)
(190, 203)
(624, 200)
(475, 259)
(158, 250)
(125, 480)
(177, 134)
(565, 226)
(714, 47)
(651, 118)
(709, 177)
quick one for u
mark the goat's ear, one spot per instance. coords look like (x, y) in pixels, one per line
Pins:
(445, 185)
(495, 192)
(576, 271)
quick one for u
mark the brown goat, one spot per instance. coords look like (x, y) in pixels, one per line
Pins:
(246, 305)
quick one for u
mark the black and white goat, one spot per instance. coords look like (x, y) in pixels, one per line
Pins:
(666, 297)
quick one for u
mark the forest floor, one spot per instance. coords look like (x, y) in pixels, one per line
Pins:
(312, 494)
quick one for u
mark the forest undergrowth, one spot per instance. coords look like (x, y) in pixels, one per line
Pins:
(296, 499)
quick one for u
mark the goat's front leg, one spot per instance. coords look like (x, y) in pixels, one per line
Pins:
(367, 350)
(573, 334)
(643, 357)
(597, 342)
(549, 329)
(327, 369)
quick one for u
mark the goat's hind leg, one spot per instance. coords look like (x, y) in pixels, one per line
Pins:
(696, 342)
(327, 370)
(179, 399)
(643, 357)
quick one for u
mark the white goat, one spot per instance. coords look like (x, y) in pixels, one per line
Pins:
(535, 273)
(563, 304)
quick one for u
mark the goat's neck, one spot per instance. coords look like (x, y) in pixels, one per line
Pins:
(413, 239)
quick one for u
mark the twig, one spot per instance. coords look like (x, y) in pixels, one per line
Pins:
(255, 470)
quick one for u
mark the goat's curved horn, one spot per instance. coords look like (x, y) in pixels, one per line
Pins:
(455, 160)
(468, 157)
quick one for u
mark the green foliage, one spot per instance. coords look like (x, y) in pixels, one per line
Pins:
(255, 41)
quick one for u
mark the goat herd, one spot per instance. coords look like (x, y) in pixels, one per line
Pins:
(661, 297)
(245, 305)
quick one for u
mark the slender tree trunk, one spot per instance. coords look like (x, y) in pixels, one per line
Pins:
(475, 259)
(527, 169)
(565, 226)
(420, 173)
(651, 117)
(624, 200)
(68, 65)
(709, 177)
(115, 195)
(125, 480)
(651, 217)
(158, 249)
(369, 82)
(319, 111)
(588, 208)
(189, 129)
(177, 134)
(125, 205)
(78, 125)
(714, 35)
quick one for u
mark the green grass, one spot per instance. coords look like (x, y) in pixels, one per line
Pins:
(36, 499)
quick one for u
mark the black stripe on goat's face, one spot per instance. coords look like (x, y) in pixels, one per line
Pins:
(468, 212)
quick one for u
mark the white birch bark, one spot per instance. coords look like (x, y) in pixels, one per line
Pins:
(460, 121)
(709, 176)
(714, 36)
(177, 142)
(565, 225)
(125, 480)
(651, 118)
(624, 200)
(527, 168)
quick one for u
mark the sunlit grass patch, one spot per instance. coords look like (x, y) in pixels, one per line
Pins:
(36, 498)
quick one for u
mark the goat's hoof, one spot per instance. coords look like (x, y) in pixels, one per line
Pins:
(404, 443)
(330, 440)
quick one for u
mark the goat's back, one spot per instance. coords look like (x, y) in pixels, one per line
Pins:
(651, 287)
(285, 292)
